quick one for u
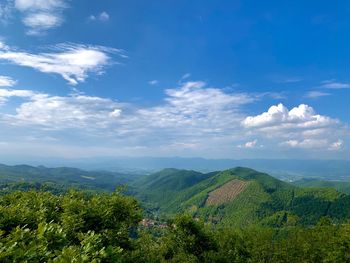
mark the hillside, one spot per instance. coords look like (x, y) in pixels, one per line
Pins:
(65, 176)
(162, 187)
(343, 187)
(240, 197)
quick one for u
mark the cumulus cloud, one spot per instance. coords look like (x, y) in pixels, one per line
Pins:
(278, 116)
(41, 15)
(300, 127)
(73, 62)
(6, 81)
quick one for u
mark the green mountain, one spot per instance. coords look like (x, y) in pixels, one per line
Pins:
(240, 197)
(161, 188)
(343, 187)
(69, 177)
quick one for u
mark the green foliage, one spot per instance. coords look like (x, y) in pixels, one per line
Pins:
(270, 221)
(162, 187)
(265, 200)
(343, 187)
(74, 227)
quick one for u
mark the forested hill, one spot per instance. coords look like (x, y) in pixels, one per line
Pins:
(341, 186)
(234, 197)
(236, 215)
(240, 197)
(63, 176)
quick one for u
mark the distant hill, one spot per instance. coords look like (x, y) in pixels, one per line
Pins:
(239, 197)
(343, 187)
(70, 177)
(284, 169)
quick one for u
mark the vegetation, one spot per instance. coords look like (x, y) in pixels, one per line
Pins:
(258, 219)
(64, 177)
(341, 186)
(261, 200)
(80, 227)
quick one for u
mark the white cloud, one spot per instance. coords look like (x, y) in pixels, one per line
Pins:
(83, 112)
(34, 5)
(41, 15)
(153, 82)
(207, 110)
(61, 112)
(332, 84)
(6, 81)
(307, 143)
(3, 46)
(72, 61)
(190, 112)
(43, 21)
(249, 145)
(299, 127)
(103, 17)
(336, 146)
(316, 94)
(6, 94)
(193, 119)
(315, 144)
(278, 116)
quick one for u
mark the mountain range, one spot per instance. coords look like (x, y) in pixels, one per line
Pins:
(236, 197)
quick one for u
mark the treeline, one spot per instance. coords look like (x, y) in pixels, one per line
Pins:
(38, 226)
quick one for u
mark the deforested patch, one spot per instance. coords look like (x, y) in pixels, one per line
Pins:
(226, 192)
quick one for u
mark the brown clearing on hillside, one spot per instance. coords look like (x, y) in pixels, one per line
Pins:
(226, 192)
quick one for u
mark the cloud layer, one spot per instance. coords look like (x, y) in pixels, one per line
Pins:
(192, 119)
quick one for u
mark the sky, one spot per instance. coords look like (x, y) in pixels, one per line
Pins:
(214, 79)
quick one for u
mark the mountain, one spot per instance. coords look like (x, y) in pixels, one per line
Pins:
(162, 187)
(343, 187)
(284, 169)
(70, 177)
(240, 197)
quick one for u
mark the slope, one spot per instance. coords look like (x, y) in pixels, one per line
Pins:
(343, 187)
(263, 199)
(162, 187)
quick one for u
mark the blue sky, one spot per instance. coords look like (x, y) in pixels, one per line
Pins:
(228, 79)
